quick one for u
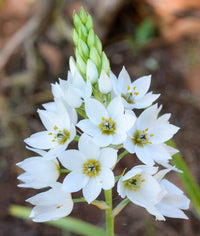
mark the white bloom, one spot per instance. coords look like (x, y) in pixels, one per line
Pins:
(91, 168)
(60, 131)
(51, 205)
(39, 172)
(105, 83)
(141, 187)
(52, 107)
(107, 125)
(134, 94)
(146, 138)
(91, 72)
(74, 89)
(174, 201)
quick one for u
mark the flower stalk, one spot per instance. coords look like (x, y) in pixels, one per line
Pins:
(109, 216)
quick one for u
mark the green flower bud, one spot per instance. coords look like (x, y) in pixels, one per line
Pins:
(77, 20)
(98, 44)
(91, 72)
(75, 37)
(83, 16)
(89, 22)
(91, 38)
(94, 56)
(80, 64)
(105, 63)
(83, 48)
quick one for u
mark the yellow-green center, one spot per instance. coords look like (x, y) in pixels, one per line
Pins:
(134, 183)
(61, 136)
(129, 96)
(107, 126)
(140, 138)
(91, 168)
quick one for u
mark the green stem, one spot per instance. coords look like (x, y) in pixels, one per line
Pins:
(120, 207)
(64, 171)
(121, 155)
(109, 217)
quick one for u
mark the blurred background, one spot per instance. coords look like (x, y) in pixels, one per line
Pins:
(158, 37)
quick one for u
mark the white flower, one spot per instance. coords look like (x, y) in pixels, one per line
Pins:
(91, 168)
(134, 94)
(51, 205)
(60, 131)
(74, 89)
(107, 125)
(174, 201)
(39, 172)
(146, 138)
(105, 83)
(141, 187)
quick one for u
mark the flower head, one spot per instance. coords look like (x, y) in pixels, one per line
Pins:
(60, 131)
(51, 205)
(147, 136)
(107, 125)
(134, 94)
(141, 187)
(91, 168)
(39, 172)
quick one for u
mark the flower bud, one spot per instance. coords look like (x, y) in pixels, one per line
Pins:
(89, 22)
(94, 56)
(105, 63)
(75, 37)
(91, 38)
(105, 83)
(98, 45)
(91, 72)
(83, 48)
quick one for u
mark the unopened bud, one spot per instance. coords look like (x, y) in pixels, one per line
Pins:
(91, 72)
(105, 83)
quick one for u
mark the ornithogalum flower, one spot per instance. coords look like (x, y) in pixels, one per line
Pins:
(134, 94)
(73, 90)
(106, 125)
(147, 136)
(39, 172)
(91, 168)
(60, 131)
(51, 205)
(141, 187)
(174, 200)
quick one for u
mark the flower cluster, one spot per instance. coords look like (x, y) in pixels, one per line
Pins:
(106, 105)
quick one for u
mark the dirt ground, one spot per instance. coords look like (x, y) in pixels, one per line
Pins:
(42, 57)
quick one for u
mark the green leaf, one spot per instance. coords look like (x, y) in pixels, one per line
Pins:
(188, 181)
(67, 224)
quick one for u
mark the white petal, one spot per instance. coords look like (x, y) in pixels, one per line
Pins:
(88, 127)
(107, 178)
(145, 101)
(95, 111)
(72, 159)
(118, 138)
(108, 157)
(142, 85)
(115, 108)
(41, 140)
(120, 188)
(129, 146)
(144, 155)
(103, 140)
(48, 119)
(88, 147)
(92, 189)
(73, 97)
(123, 80)
(162, 133)
(75, 181)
